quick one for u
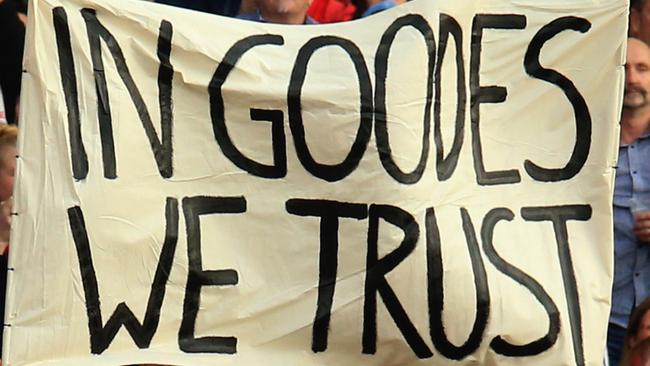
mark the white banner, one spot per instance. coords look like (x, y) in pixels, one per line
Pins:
(425, 186)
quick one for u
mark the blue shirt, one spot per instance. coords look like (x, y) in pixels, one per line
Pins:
(257, 17)
(631, 257)
(376, 8)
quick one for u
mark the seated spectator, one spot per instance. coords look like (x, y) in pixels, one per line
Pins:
(639, 20)
(280, 12)
(640, 354)
(8, 137)
(637, 338)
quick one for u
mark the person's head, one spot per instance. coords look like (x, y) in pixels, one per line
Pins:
(640, 20)
(8, 137)
(284, 11)
(640, 354)
(637, 75)
(638, 329)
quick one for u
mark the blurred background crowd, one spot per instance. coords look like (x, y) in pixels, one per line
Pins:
(13, 18)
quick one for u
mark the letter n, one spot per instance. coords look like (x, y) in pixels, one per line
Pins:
(162, 151)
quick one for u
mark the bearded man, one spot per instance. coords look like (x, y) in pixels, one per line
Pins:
(631, 199)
